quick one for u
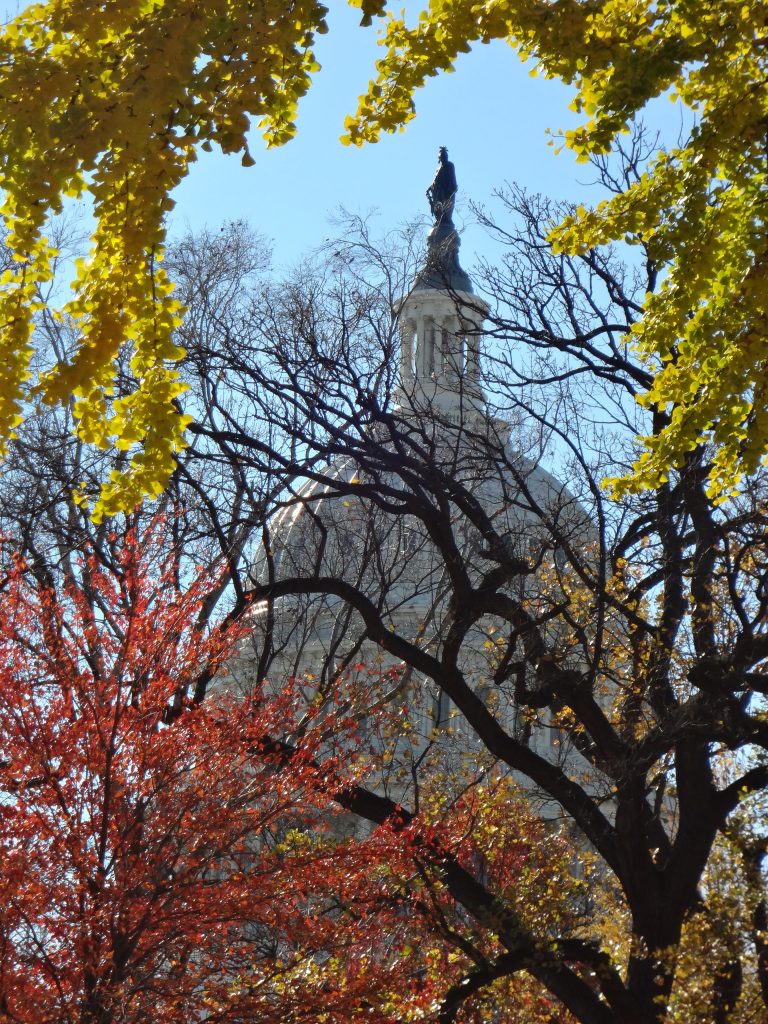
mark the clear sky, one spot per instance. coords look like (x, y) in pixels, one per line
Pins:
(491, 114)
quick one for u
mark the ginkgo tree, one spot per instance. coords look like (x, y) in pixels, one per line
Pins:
(699, 209)
(111, 102)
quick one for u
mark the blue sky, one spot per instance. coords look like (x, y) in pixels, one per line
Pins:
(490, 113)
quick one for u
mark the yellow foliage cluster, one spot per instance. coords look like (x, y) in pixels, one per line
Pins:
(110, 100)
(700, 208)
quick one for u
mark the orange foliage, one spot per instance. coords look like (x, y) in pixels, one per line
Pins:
(172, 860)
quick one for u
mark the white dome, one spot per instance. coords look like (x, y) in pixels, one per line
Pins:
(367, 524)
(368, 547)
(337, 528)
(334, 530)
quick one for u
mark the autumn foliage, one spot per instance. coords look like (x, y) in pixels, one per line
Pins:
(127, 845)
(112, 101)
(143, 877)
(170, 859)
(697, 210)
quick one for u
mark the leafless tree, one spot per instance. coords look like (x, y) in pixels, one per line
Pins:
(634, 628)
(624, 677)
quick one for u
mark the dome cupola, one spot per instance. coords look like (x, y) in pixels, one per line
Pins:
(361, 524)
(441, 319)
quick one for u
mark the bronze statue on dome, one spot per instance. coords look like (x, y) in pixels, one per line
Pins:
(442, 192)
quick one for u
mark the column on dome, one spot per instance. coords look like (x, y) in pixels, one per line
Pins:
(418, 354)
(445, 351)
(431, 339)
(425, 347)
(472, 343)
(419, 348)
(453, 350)
(440, 360)
(407, 342)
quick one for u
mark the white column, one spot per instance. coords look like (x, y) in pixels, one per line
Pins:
(407, 335)
(473, 357)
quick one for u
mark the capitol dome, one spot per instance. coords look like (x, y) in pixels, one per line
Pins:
(359, 526)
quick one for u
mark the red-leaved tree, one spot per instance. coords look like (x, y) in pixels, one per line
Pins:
(160, 861)
(165, 858)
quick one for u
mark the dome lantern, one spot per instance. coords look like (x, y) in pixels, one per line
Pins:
(441, 319)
